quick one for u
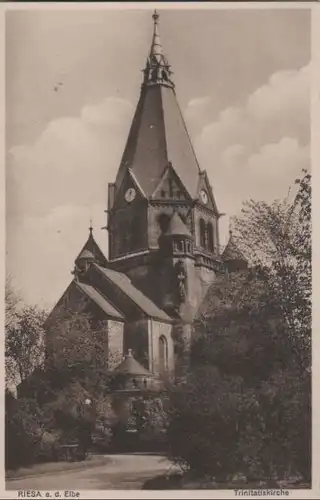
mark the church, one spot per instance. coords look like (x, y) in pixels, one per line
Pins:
(163, 235)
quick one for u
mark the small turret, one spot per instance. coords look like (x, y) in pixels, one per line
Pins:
(84, 260)
(90, 253)
(177, 240)
(232, 257)
(132, 373)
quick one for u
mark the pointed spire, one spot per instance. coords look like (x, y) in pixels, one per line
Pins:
(156, 47)
(157, 70)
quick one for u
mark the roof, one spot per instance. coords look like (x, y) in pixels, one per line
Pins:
(99, 300)
(130, 366)
(158, 134)
(124, 283)
(232, 252)
(177, 227)
(92, 247)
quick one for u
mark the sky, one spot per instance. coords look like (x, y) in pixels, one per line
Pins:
(242, 81)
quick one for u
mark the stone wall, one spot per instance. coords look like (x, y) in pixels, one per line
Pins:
(115, 342)
(156, 330)
(136, 337)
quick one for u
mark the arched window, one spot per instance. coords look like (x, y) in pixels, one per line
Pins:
(202, 227)
(163, 354)
(210, 237)
(163, 221)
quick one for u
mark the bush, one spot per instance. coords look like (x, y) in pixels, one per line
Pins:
(209, 414)
(23, 431)
(153, 431)
(220, 426)
(245, 406)
(49, 447)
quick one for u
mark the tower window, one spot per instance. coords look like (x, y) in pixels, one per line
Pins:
(163, 193)
(210, 237)
(202, 227)
(163, 221)
(163, 354)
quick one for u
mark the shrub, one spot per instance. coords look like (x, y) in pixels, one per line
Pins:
(23, 431)
(49, 447)
(209, 414)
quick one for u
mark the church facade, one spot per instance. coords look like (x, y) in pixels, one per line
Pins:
(163, 230)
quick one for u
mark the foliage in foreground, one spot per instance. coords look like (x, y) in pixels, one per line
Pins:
(245, 406)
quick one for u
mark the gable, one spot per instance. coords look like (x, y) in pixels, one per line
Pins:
(204, 186)
(72, 299)
(170, 187)
(129, 193)
(80, 296)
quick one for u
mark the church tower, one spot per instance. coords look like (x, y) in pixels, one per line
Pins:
(162, 216)
(163, 238)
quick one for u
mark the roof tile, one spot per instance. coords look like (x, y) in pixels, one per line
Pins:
(144, 303)
(100, 300)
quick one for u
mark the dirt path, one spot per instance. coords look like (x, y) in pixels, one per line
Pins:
(121, 472)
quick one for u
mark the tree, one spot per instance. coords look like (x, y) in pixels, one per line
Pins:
(12, 302)
(24, 347)
(23, 431)
(277, 238)
(76, 348)
(245, 406)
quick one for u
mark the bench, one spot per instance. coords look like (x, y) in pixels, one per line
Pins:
(70, 452)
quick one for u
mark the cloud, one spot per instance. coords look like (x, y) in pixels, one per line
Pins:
(284, 97)
(256, 150)
(54, 186)
(42, 249)
(63, 165)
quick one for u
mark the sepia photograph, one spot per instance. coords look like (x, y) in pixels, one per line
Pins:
(158, 249)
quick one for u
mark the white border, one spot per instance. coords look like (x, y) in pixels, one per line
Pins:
(315, 153)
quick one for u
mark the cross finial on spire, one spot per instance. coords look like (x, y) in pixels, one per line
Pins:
(155, 16)
(157, 70)
(90, 227)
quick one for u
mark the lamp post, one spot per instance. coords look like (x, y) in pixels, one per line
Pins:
(85, 426)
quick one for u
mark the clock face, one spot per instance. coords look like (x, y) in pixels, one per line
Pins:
(203, 196)
(130, 195)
